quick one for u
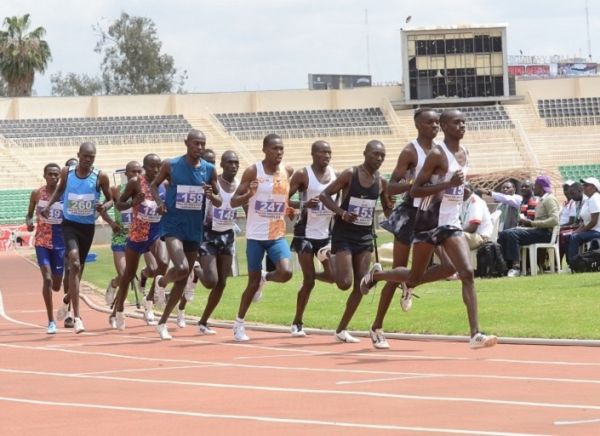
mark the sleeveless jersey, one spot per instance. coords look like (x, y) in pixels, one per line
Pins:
(222, 218)
(443, 208)
(315, 222)
(81, 196)
(123, 219)
(185, 200)
(48, 232)
(266, 208)
(146, 219)
(361, 201)
(412, 174)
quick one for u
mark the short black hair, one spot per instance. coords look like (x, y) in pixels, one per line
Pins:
(270, 137)
(51, 165)
(71, 160)
(422, 110)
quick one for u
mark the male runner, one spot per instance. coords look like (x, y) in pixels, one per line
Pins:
(265, 189)
(80, 184)
(49, 243)
(312, 231)
(192, 181)
(353, 231)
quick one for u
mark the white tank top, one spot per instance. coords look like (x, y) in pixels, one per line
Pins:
(222, 218)
(421, 155)
(266, 208)
(318, 219)
(452, 198)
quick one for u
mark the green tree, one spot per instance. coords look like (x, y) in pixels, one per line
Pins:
(22, 55)
(72, 84)
(132, 62)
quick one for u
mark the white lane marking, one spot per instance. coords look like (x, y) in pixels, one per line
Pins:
(269, 356)
(582, 421)
(269, 419)
(289, 390)
(297, 368)
(376, 380)
(155, 368)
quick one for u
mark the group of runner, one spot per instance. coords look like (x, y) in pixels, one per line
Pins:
(181, 216)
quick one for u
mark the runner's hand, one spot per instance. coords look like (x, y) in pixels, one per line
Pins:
(252, 187)
(349, 217)
(208, 190)
(458, 178)
(162, 209)
(45, 212)
(138, 199)
(313, 202)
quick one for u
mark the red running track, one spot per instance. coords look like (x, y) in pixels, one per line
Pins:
(105, 381)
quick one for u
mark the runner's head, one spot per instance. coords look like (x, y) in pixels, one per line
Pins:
(273, 148)
(133, 169)
(452, 122)
(209, 155)
(86, 155)
(230, 162)
(151, 166)
(427, 122)
(374, 154)
(321, 153)
(195, 143)
(71, 162)
(51, 174)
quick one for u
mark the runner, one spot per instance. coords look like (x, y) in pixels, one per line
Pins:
(49, 243)
(312, 233)
(143, 238)
(352, 234)
(192, 181)
(441, 182)
(119, 223)
(80, 184)
(265, 189)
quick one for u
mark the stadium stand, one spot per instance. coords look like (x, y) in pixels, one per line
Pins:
(578, 172)
(484, 117)
(13, 205)
(561, 112)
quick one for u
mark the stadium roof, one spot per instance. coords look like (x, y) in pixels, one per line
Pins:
(454, 27)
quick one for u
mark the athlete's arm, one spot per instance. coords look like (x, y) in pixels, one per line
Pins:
(246, 189)
(105, 215)
(58, 192)
(163, 174)
(386, 201)
(105, 187)
(434, 162)
(398, 183)
(33, 199)
(212, 190)
(298, 182)
(339, 184)
(129, 193)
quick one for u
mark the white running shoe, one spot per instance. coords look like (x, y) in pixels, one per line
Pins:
(481, 340)
(181, 318)
(163, 332)
(79, 327)
(297, 331)
(379, 340)
(239, 332)
(205, 330)
(323, 253)
(159, 293)
(344, 336)
(149, 312)
(190, 288)
(367, 282)
(263, 281)
(51, 328)
(112, 321)
(406, 297)
(120, 321)
(513, 272)
(109, 295)
(62, 311)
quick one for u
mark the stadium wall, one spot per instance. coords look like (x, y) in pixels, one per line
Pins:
(567, 87)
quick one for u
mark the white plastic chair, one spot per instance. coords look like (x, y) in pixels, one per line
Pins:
(552, 245)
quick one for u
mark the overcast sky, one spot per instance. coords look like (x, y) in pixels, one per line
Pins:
(243, 45)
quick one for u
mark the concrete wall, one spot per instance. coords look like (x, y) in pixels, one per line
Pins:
(567, 87)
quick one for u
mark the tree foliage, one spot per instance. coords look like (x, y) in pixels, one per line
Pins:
(22, 54)
(72, 84)
(132, 62)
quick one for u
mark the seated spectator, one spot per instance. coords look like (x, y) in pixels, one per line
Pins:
(510, 204)
(529, 201)
(590, 227)
(475, 218)
(531, 231)
(569, 214)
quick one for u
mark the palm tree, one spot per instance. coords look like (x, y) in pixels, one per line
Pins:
(22, 54)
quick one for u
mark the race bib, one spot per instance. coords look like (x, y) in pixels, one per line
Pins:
(148, 212)
(81, 204)
(454, 195)
(272, 207)
(126, 217)
(319, 210)
(364, 208)
(55, 215)
(223, 219)
(189, 197)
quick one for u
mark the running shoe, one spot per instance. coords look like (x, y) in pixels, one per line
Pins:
(163, 332)
(263, 281)
(481, 340)
(323, 253)
(62, 311)
(51, 328)
(159, 293)
(180, 318)
(406, 297)
(344, 336)
(109, 295)
(367, 282)
(379, 340)
(69, 323)
(205, 330)
(149, 312)
(112, 321)
(513, 272)
(297, 331)
(120, 321)
(239, 332)
(79, 327)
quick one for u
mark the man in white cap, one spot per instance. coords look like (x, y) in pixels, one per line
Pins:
(590, 226)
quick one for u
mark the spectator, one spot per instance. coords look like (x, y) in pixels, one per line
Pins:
(569, 214)
(475, 218)
(510, 204)
(538, 230)
(529, 201)
(590, 209)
